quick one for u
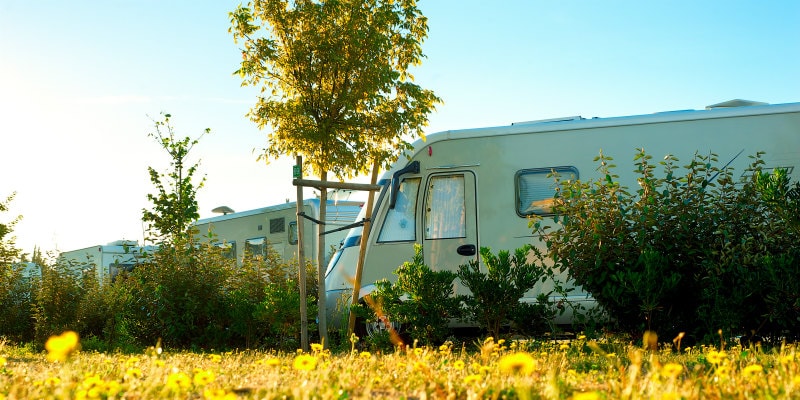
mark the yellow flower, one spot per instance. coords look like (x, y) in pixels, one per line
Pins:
(131, 361)
(518, 363)
(418, 351)
(365, 354)
(672, 370)
(563, 346)
(586, 396)
(787, 358)
(3, 361)
(722, 371)
(133, 373)
(202, 378)
(52, 381)
(178, 381)
(458, 365)
(316, 347)
(751, 371)
(305, 362)
(215, 358)
(61, 346)
(112, 388)
(219, 394)
(472, 379)
(715, 357)
(274, 362)
(159, 363)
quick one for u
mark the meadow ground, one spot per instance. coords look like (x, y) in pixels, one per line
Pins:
(575, 369)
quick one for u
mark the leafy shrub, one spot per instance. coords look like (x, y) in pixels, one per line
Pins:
(692, 251)
(422, 300)
(496, 294)
(55, 303)
(16, 299)
(179, 295)
(265, 301)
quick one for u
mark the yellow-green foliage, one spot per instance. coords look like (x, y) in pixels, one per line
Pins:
(567, 369)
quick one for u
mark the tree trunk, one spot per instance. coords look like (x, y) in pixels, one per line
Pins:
(321, 250)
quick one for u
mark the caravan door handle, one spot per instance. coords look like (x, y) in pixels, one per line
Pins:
(467, 250)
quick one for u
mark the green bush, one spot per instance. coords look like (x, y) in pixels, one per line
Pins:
(689, 250)
(55, 303)
(179, 296)
(422, 300)
(16, 300)
(496, 294)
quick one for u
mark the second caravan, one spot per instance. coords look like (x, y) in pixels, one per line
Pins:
(248, 232)
(466, 189)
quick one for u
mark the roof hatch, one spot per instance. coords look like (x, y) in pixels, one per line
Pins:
(735, 103)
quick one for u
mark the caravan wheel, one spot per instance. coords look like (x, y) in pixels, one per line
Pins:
(380, 325)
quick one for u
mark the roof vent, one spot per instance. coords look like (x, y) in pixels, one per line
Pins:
(735, 103)
(224, 210)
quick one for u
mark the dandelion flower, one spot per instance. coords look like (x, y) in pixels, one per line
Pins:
(563, 346)
(458, 365)
(215, 358)
(472, 379)
(715, 357)
(202, 378)
(316, 347)
(218, 394)
(418, 351)
(61, 346)
(518, 363)
(178, 380)
(365, 354)
(672, 370)
(753, 370)
(305, 362)
(135, 373)
(131, 361)
(111, 388)
(3, 361)
(274, 362)
(52, 381)
(593, 395)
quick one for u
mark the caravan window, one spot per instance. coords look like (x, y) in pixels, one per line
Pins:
(400, 222)
(536, 187)
(293, 232)
(255, 246)
(228, 249)
(445, 208)
(277, 225)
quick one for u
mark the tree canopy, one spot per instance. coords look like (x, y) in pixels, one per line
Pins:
(175, 206)
(334, 78)
(8, 249)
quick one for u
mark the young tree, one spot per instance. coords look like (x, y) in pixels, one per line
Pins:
(8, 248)
(175, 205)
(335, 83)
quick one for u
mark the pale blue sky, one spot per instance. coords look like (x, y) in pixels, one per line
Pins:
(78, 80)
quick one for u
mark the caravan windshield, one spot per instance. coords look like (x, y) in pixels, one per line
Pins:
(400, 222)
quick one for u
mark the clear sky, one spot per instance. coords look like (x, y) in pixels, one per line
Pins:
(81, 80)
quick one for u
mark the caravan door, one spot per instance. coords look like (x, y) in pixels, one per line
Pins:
(449, 221)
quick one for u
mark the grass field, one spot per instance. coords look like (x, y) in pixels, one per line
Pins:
(575, 369)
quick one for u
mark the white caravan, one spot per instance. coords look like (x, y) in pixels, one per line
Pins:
(248, 232)
(467, 189)
(107, 260)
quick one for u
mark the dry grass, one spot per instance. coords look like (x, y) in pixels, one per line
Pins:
(578, 369)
